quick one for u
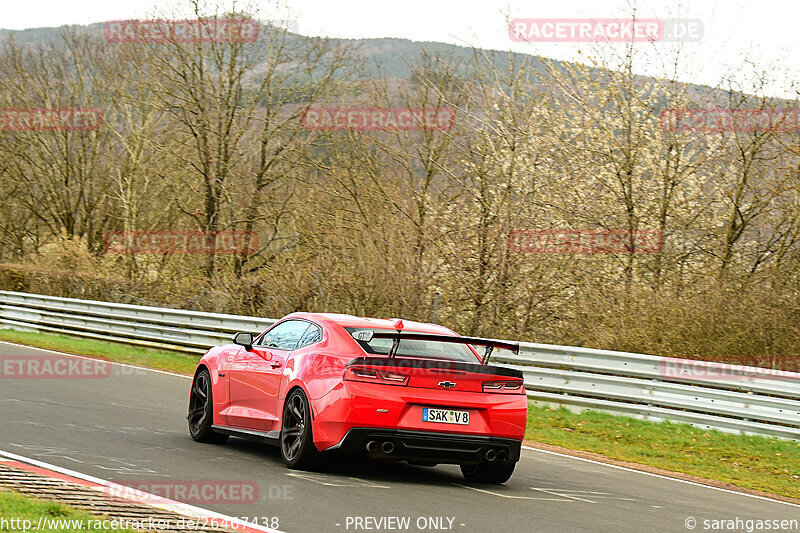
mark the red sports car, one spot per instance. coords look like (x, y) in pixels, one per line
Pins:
(316, 383)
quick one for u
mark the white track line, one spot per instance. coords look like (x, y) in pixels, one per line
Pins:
(627, 469)
(146, 498)
(98, 359)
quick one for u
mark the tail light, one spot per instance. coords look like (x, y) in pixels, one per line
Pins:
(371, 375)
(507, 387)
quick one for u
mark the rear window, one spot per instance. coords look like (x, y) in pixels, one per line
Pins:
(416, 348)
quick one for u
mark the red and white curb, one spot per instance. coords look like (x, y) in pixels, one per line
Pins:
(134, 496)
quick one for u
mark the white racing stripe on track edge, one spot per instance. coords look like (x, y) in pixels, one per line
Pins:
(687, 482)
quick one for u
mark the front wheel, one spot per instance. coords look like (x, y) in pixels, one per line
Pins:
(297, 442)
(484, 472)
(201, 413)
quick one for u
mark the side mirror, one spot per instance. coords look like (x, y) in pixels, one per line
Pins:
(244, 338)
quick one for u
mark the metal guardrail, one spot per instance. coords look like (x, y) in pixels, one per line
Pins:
(710, 395)
(175, 329)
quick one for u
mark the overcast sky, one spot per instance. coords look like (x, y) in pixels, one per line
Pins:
(765, 31)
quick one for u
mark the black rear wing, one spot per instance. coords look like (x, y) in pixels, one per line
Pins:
(368, 334)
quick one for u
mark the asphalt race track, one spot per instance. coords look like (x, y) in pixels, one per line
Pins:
(131, 426)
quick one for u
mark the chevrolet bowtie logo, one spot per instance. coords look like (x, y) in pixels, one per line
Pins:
(447, 384)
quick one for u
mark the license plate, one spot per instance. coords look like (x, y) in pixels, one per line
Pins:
(445, 416)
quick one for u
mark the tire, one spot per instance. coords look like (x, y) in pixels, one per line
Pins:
(201, 411)
(485, 472)
(297, 441)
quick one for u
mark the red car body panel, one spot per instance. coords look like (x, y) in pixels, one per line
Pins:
(250, 386)
(355, 405)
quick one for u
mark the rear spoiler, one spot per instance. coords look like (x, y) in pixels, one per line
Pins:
(368, 334)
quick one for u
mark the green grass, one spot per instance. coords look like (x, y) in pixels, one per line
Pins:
(112, 351)
(754, 462)
(15, 508)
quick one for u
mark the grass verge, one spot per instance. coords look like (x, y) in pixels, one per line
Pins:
(759, 463)
(111, 351)
(22, 513)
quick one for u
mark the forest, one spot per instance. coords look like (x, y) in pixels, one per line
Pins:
(421, 222)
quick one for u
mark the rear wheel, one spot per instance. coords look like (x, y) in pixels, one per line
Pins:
(297, 442)
(485, 472)
(201, 415)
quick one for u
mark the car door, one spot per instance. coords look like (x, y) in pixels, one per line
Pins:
(222, 402)
(255, 376)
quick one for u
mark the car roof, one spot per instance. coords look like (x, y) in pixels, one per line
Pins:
(350, 321)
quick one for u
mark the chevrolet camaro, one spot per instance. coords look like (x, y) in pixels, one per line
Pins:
(394, 390)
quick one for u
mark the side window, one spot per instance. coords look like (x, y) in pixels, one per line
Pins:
(313, 334)
(285, 335)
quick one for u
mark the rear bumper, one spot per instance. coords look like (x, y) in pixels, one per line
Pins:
(353, 405)
(427, 446)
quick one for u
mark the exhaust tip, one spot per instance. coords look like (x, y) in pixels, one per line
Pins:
(491, 455)
(372, 446)
(387, 447)
(502, 455)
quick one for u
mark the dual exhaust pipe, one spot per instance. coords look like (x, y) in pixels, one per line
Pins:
(387, 447)
(493, 455)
